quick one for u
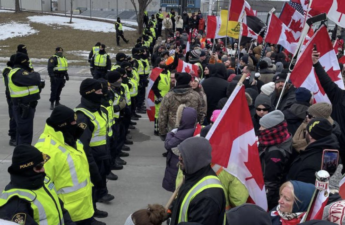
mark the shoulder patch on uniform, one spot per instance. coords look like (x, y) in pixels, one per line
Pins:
(25, 73)
(19, 218)
(52, 60)
(82, 125)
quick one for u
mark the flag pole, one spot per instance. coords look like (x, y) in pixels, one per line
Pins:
(227, 26)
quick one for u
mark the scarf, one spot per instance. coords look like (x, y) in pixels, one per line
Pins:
(274, 135)
(289, 218)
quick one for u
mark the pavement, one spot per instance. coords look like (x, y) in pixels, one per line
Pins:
(139, 183)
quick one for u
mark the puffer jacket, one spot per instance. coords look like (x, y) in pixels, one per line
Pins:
(170, 104)
(295, 115)
(185, 121)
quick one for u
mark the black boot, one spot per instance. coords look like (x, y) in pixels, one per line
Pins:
(106, 198)
(100, 214)
(13, 142)
(51, 105)
(96, 222)
(112, 176)
(57, 103)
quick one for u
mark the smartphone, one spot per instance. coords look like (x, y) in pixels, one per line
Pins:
(315, 48)
(330, 160)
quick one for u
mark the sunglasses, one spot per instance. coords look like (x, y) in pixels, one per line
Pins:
(309, 116)
(262, 109)
(39, 166)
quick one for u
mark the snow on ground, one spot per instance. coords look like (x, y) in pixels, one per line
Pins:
(78, 24)
(6, 11)
(84, 54)
(13, 29)
(131, 23)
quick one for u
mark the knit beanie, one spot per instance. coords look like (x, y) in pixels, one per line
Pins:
(321, 110)
(120, 57)
(22, 48)
(224, 58)
(113, 76)
(215, 115)
(245, 59)
(279, 77)
(268, 60)
(319, 128)
(303, 95)
(335, 212)
(268, 88)
(263, 100)
(57, 49)
(62, 116)
(272, 119)
(25, 157)
(182, 79)
(256, 215)
(89, 86)
(279, 67)
(21, 59)
(195, 53)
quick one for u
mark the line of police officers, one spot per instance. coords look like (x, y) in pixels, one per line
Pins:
(60, 180)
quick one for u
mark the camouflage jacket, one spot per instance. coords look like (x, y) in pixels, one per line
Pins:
(170, 103)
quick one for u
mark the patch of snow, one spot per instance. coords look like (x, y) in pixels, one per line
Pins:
(13, 29)
(6, 11)
(78, 24)
(84, 54)
(131, 23)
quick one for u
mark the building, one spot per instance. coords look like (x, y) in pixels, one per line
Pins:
(181, 5)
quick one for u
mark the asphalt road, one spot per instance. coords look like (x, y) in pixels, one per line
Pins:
(139, 182)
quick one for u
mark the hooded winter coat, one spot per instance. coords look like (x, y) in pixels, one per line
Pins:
(185, 122)
(289, 97)
(215, 87)
(295, 115)
(170, 104)
(309, 161)
(337, 98)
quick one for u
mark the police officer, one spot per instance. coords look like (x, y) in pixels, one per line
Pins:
(68, 167)
(94, 138)
(160, 18)
(120, 58)
(143, 79)
(13, 127)
(24, 89)
(57, 70)
(119, 32)
(22, 49)
(100, 63)
(30, 197)
(94, 50)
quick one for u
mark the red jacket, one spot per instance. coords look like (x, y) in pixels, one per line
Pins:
(201, 25)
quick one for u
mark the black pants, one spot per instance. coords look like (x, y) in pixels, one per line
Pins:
(173, 28)
(98, 73)
(84, 222)
(159, 30)
(133, 105)
(24, 117)
(12, 132)
(56, 86)
(141, 92)
(118, 35)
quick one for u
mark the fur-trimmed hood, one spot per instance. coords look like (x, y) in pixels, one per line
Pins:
(186, 117)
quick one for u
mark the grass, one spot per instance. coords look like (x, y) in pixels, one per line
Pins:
(43, 44)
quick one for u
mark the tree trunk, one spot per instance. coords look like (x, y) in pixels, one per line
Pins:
(17, 6)
(140, 13)
(70, 20)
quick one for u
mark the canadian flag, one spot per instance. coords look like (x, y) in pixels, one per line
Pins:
(188, 42)
(279, 33)
(316, 210)
(303, 74)
(342, 187)
(293, 19)
(150, 97)
(335, 10)
(236, 9)
(247, 32)
(236, 148)
(184, 67)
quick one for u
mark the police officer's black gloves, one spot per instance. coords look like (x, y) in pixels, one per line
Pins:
(67, 76)
(159, 100)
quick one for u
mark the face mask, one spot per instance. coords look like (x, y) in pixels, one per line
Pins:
(60, 54)
(95, 98)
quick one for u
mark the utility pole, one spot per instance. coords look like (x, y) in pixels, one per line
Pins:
(90, 8)
(117, 8)
(210, 7)
(65, 8)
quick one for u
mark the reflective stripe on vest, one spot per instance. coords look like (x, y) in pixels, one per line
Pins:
(39, 205)
(100, 60)
(114, 67)
(140, 67)
(127, 94)
(16, 91)
(62, 64)
(100, 127)
(120, 25)
(147, 67)
(72, 171)
(110, 115)
(116, 102)
(217, 168)
(133, 91)
(95, 50)
(205, 183)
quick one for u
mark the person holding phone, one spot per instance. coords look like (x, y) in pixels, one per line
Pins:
(319, 137)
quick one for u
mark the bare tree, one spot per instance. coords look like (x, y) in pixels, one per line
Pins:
(140, 15)
(17, 6)
(70, 20)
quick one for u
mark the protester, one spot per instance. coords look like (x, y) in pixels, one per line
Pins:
(185, 125)
(288, 96)
(268, 88)
(262, 107)
(153, 215)
(238, 215)
(294, 200)
(308, 162)
(275, 151)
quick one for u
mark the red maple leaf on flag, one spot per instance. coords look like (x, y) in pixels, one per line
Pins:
(188, 70)
(296, 25)
(251, 164)
(289, 37)
(341, 8)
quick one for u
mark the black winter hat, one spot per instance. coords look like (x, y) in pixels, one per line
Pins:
(126, 65)
(113, 76)
(62, 116)
(135, 51)
(258, 216)
(25, 157)
(279, 77)
(58, 49)
(89, 86)
(245, 59)
(98, 44)
(303, 95)
(121, 71)
(103, 46)
(21, 58)
(319, 127)
(120, 57)
(263, 64)
(182, 79)
(22, 48)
